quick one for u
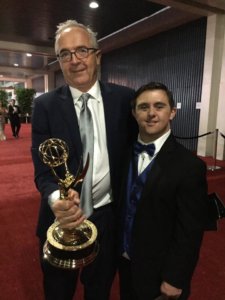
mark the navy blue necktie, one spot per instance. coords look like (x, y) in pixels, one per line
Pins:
(139, 148)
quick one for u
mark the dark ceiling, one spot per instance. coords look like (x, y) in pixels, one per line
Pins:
(29, 26)
(33, 23)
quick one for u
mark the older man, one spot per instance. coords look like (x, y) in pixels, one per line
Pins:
(58, 114)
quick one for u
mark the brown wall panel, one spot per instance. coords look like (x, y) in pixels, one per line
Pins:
(38, 84)
(59, 79)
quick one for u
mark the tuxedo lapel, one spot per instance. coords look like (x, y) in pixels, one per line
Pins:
(112, 121)
(161, 162)
(110, 111)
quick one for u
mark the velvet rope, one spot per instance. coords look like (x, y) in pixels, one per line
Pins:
(194, 137)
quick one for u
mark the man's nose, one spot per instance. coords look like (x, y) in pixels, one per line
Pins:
(151, 111)
(74, 59)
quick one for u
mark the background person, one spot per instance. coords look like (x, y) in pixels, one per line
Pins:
(57, 114)
(14, 117)
(166, 205)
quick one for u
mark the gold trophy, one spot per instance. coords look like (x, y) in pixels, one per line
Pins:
(64, 248)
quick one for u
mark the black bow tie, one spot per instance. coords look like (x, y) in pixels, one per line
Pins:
(139, 148)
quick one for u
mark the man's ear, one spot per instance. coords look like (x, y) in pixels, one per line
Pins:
(173, 113)
(98, 56)
(133, 113)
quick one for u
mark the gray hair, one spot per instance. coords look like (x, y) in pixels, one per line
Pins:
(73, 23)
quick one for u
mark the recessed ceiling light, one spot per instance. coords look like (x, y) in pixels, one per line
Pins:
(1, 75)
(16, 65)
(29, 54)
(93, 4)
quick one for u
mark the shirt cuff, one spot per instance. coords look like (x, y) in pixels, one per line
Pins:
(53, 197)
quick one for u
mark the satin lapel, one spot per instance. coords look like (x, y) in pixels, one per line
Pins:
(111, 115)
(70, 118)
(109, 109)
(161, 162)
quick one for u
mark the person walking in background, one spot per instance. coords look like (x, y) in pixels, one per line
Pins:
(14, 117)
(165, 205)
(59, 114)
(2, 122)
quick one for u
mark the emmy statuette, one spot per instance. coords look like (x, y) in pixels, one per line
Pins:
(75, 248)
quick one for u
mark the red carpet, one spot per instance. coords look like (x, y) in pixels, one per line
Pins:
(20, 275)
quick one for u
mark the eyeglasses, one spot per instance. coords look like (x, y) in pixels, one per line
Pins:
(80, 53)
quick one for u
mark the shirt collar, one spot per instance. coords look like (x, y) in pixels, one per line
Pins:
(158, 142)
(94, 92)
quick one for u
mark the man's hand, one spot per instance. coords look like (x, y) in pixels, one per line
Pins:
(67, 211)
(171, 292)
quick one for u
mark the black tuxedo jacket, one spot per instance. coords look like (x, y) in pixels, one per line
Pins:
(54, 115)
(169, 221)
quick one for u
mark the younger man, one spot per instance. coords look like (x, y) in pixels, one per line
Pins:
(166, 205)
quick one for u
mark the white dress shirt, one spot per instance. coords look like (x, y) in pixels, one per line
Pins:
(101, 184)
(101, 189)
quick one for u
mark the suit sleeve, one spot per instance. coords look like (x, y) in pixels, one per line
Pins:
(44, 179)
(184, 248)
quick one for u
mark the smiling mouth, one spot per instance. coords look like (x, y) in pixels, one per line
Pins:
(151, 123)
(77, 70)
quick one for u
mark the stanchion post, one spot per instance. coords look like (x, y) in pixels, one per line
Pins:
(215, 167)
(215, 147)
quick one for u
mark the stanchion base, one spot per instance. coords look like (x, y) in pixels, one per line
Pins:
(213, 168)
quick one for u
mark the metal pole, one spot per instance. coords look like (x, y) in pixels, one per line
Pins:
(215, 167)
(215, 147)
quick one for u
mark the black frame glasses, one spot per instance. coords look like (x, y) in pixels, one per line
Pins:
(80, 53)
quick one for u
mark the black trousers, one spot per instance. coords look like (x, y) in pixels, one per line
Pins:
(126, 282)
(97, 278)
(15, 126)
(128, 289)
